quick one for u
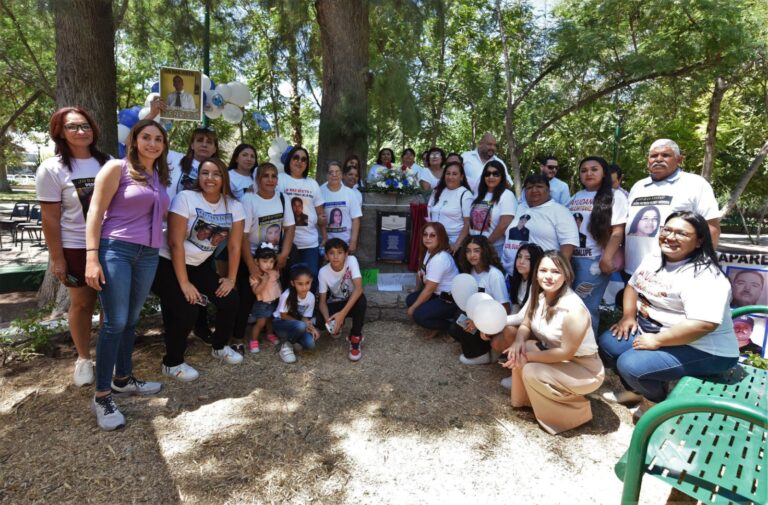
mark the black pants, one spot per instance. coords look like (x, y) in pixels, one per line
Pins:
(246, 301)
(472, 346)
(179, 316)
(357, 313)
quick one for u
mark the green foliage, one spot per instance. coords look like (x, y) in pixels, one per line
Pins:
(756, 361)
(34, 337)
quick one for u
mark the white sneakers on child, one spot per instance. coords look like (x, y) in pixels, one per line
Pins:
(286, 353)
(228, 355)
(182, 372)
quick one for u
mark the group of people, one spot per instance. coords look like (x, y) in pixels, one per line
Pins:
(250, 239)
(548, 259)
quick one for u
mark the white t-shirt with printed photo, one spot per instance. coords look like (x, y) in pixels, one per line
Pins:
(493, 283)
(581, 204)
(208, 225)
(238, 183)
(451, 210)
(548, 225)
(480, 223)
(651, 202)
(305, 305)
(265, 220)
(440, 269)
(339, 285)
(55, 183)
(676, 294)
(302, 196)
(341, 207)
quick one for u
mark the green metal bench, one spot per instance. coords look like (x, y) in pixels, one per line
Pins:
(708, 439)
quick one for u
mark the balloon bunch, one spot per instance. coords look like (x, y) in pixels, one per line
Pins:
(489, 315)
(225, 100)
(277, 151)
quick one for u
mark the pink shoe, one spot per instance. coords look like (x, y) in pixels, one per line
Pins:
(253, 346)
(272, 338)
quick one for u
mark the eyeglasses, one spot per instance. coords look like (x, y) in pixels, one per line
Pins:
(435, 155)
(667, 231)
(552, 167)
(429, 235)
(493, 174)
(211, 175)
(301, 159)
(73, 127)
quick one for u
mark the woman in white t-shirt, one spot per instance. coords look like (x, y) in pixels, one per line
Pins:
(495, 206)
(241, 168)
(554, 357)
(342, 209)
(306, 201)
(450, 204)
(351, 179)
(677, 316)
(600, 213)
(478, 258)
(64, 186)
(198, 221)
(268, 219)
(431, 306)
(432, 173)
(385, 160)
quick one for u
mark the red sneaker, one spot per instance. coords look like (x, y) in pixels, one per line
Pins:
(355, 352)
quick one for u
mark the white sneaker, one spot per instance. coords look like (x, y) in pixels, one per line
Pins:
(83, 372)
(182, 372)
(135, 386)
(506, 383)
(484, 359)
(108, 417)
(286, 353)
(227, 354)
(624, 397)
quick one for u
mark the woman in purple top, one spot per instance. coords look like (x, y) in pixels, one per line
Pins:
(124, 232)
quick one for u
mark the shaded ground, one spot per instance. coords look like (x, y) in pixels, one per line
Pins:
(407, 424)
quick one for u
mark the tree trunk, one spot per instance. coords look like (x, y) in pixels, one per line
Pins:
(5, 186)
(293, 72)
(344, 110)
(721, 86)
(742, 184)
(86, 77)
(509, 112)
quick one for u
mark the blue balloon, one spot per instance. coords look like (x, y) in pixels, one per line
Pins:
(205, 98)
(155, 87)
(213, 84)
(217, 100)
(120, 150)
(129, 117)
(167, 125)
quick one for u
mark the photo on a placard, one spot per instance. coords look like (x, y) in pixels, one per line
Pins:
(749, 286)
(181, 90)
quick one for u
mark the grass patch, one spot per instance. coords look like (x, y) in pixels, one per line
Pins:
(17, 195)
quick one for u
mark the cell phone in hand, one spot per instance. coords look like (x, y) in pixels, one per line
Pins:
(202, 301)
(331, 326)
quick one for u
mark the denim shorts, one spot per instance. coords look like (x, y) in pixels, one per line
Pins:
(262, 310)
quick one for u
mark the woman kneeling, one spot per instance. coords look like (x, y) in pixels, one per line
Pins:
(554, 357)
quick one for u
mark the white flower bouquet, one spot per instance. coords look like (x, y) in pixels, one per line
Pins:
(397, 181)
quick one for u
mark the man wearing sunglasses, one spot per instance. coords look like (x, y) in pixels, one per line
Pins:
(474, 161)
(558, 190)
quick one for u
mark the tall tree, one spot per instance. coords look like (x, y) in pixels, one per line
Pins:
(344, 109)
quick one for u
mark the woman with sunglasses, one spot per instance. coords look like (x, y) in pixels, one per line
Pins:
(310, 216)
(431, 306)
(677, 316)
(64, 186)
(494, 208)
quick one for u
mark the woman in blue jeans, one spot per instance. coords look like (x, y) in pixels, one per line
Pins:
(431, 306)
(600, 214)
(677, 319)
(124, 231)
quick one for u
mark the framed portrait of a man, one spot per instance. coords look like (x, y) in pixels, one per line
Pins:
(181, 90)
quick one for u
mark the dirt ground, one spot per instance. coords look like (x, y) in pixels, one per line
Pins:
(407, 424)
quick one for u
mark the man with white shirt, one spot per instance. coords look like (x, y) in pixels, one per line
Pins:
(179, 99)
(558, 190)
(474, 161)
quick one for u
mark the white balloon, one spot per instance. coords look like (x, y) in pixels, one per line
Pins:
(474, 301)
(277, 147)
(490, 317)
(464, 286)
(232, 113)
(240, 94)
(213, 112)
(149, 99)
(206, 83)
(144, 112)
(122, 133)
(224, 91)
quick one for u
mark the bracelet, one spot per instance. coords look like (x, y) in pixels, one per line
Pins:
(88, 250)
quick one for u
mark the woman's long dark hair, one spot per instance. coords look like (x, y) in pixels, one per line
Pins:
(704, 256)
(441, 185)
(186, 161)
(236, 154)
(516, 279)
(488, 255)
(56, 132)
(602, 206)
(565, 268)
(292, 301)
(482, 188)
(293, 151)
(391, 154)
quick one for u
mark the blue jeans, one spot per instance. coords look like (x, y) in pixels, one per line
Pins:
(128, 270)
(648, 372)
(590, 287)
(294, 332)
(434, 314)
